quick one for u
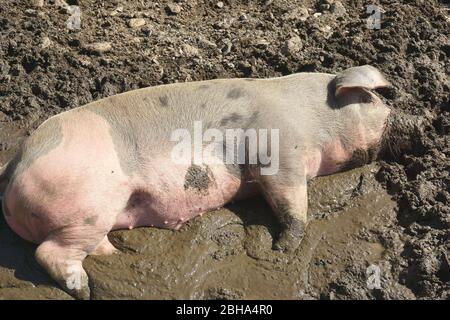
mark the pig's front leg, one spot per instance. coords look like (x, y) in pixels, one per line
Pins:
(287, 194)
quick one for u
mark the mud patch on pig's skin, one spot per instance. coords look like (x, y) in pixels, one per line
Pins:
(91, 221)
(360, 157)
(231, 119)
(235, 93)
(198, 178)
(203, 87)
(164, 101)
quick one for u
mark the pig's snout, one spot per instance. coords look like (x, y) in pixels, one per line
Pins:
(402, 134)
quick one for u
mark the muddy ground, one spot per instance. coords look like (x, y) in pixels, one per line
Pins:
(393, 215)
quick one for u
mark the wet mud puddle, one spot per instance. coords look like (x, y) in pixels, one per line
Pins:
(227, 253)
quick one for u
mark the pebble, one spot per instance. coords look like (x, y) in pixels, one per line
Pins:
(292, 46)
(190, 51)
(61, 4)
(46, 42)
(299, 14)
(262, 43)
(37, 3)
(325, 7)
(338, 8)
(219, 4)
(174, 8)
(243, 17)
(116, 11)
(30, 12)
(136, 23)
(206, 43)
(98, 47)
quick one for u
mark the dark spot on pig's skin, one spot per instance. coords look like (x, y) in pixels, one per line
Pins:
(90, 221)
(235, 93)
(164, 101)
(46, 138)
(198, 178)
(203, 87)
(232, 118)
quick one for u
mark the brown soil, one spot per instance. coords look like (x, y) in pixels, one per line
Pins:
(401, 226)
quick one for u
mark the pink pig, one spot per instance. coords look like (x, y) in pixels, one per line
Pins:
(108, 165)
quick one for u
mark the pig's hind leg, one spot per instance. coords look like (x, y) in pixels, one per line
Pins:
(63, 252)
(286, 192)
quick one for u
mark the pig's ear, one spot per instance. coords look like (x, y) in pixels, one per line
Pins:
(364, 77)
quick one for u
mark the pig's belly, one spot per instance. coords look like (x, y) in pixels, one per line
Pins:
(171, 203)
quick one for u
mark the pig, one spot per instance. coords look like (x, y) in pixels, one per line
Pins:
(109, 165)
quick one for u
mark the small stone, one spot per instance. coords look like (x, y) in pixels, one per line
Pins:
(61, 4)
(136, 23)
(299, 14)
(116, 11)
(338, 8)
(317, 14)
(190, 51)
(98, 47)
(302, 14)
(262, 43)
(30, 12)
(73, 23)
(46, 42)
(37, 3)
(174, 8)
(84, 62)
(292, 46)
(325, 7)
(219, 4)
(206, 43)
(326, 30)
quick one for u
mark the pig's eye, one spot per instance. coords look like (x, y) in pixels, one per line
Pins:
(365, 98)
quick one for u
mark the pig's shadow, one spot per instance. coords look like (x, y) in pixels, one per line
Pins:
(18, 255)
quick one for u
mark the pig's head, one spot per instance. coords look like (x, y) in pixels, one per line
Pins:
(371, 130)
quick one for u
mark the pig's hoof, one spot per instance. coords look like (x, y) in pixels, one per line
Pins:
(77, 283)
(290, 238)
(286, 243)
